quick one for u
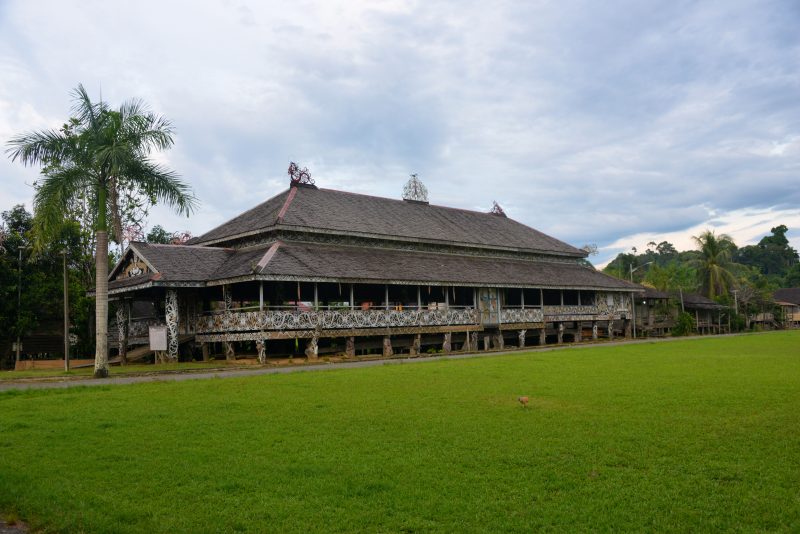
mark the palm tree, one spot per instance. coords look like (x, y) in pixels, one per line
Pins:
(100, 152)
(714, 263)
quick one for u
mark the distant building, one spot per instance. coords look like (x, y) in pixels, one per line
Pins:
(789, 301)
(336, 272)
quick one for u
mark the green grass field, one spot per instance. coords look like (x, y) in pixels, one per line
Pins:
(695, 435)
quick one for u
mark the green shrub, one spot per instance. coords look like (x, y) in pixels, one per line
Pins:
(684, 325)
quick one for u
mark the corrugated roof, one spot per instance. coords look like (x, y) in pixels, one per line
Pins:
(355, 214)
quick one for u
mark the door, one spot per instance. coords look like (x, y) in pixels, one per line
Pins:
(489, 305)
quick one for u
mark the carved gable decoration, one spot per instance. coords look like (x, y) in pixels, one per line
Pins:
(134, 266)
(415, 190)
(497, 210)
(299, 177)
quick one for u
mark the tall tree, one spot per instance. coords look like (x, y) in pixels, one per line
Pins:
(714, 263)
(101, 153)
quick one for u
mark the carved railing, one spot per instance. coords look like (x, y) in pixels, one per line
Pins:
(283, 320)
(571, 310)
(521, 315)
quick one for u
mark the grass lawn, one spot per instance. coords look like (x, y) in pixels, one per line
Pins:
(702, 434)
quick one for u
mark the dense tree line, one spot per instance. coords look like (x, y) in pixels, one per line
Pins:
(745, 276)
(35, 267)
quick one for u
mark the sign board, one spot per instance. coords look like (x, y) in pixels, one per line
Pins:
(158, 338)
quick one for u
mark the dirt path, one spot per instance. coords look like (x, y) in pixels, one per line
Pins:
(234, 373)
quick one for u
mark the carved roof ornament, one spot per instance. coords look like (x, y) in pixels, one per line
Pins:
(497, 210)
(415, 190)
(298, 176)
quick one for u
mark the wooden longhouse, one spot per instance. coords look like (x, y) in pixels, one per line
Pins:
(319, 271)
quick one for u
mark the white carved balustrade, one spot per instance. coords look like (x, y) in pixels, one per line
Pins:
(293, 319)
(521, 315)
(567, 310)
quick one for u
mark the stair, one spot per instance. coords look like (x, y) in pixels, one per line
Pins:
(139, 353)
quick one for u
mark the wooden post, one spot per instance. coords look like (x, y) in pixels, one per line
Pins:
(579, 298)
(561, 291)
(610, 327)
(261, 347)
(499, 342)
(560, 331)
(594, 330)
(387, 347)
(522, 298)
(522, 339)
(419, 298)
(446, 343)
(386, 296)
(416, 345)
(227, 298)
(578, 330)
(446, 297)
(66, 316)
(172, 321)
(350, 347)
(543, 336)
(312, 348)
(204, 351)
(316, 297)
(261, 296)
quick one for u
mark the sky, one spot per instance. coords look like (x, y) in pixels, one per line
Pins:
(612, 123)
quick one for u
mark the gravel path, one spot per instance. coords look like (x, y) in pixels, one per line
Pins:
(234, 373)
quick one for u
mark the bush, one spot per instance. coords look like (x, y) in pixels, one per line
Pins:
(684, 325)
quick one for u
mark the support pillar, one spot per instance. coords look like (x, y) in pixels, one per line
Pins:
(499, 343)
(387, 347)
(473, 341)
(416, 345)
(123, 318)
(261, 346)
(312, 348)
(522, 338)
(594, 330)
(172, 324)
(578, 332)
(627, 324)
(446, 343)
(204, 351)
(560, 333)
(487, 342)
(227, 298)
(350, 347)
(610, 327)
(466, 346)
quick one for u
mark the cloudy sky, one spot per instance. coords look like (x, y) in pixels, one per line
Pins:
(613, 123)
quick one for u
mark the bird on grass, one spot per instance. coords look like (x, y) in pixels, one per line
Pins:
(523, 401)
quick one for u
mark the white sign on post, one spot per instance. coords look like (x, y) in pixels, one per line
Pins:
(158, 338)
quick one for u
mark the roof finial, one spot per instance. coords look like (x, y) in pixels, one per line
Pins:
(415, 190)
(497, 210)
(298, 176)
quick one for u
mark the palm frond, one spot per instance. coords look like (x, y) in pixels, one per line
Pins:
(38, 147)
(53, 195)
(161, 184)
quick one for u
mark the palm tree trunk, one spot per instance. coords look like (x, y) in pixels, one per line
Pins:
(101, 307)
(101, 289)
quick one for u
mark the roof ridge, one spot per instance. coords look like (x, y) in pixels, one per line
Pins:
(241, 214)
